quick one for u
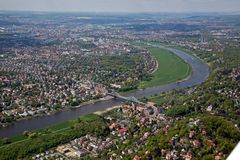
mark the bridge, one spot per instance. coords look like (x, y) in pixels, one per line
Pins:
(128, 99)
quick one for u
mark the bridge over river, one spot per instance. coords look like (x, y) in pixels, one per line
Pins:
(128, 99)
(200, 73)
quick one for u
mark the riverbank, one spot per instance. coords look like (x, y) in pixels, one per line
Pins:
(199, 74)
(107, 110)
(60, 127)
(105, 98)
(171, 69)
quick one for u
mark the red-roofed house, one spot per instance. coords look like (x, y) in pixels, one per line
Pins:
(122, 130)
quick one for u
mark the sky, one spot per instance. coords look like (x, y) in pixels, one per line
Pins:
(122, 5)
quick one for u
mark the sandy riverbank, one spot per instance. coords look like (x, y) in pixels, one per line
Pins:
(106, 110)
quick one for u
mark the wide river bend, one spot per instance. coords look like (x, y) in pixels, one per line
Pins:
(200, 73)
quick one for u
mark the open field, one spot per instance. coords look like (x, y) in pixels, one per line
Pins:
(170, 69)
(159, 100)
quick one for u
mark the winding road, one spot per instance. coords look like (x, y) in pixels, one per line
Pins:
(200, 73)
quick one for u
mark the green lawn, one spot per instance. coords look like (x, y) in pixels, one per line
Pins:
(170, 69)
(157, 99)
(89, 117)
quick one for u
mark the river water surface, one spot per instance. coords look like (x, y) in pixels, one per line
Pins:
(200, 73)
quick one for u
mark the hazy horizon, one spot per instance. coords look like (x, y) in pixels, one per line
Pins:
(123, 6)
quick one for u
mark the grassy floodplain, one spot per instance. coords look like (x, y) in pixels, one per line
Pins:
(50, 137)
(53, 129)
(171, 68)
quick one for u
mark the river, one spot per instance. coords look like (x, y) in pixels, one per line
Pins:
(200, 73)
